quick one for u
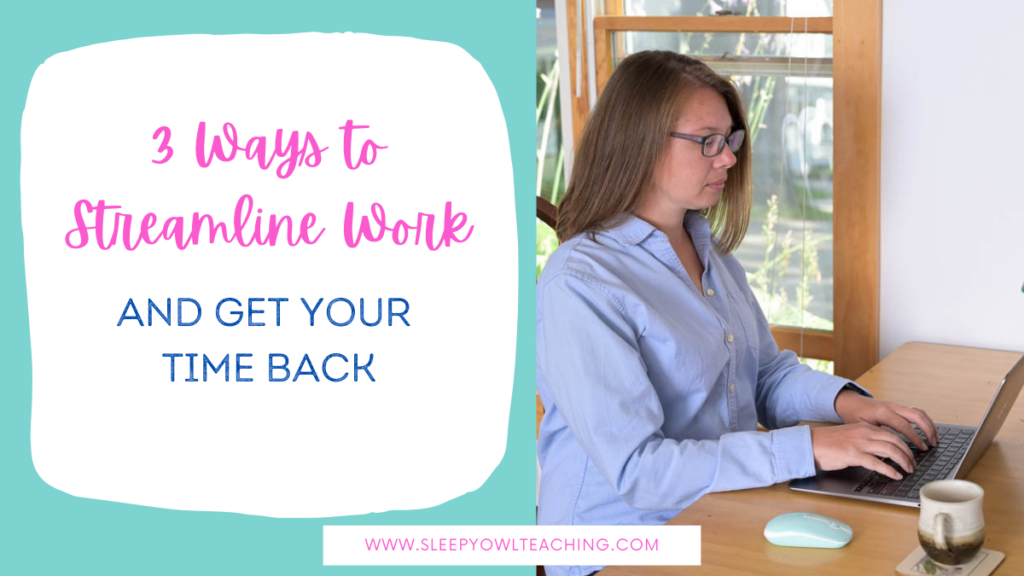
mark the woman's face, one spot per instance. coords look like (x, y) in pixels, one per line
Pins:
(685, 179)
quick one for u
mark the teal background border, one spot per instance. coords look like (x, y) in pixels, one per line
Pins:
(43, 530)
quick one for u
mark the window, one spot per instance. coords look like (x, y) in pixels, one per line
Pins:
(786, 84)
(788, 8)
(550, 148)
(812, 248)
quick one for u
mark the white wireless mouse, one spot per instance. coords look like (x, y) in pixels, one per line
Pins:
(806, 530)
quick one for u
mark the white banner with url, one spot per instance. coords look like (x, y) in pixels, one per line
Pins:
(511, 545)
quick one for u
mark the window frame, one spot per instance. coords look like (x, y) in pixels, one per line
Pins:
(856, 28)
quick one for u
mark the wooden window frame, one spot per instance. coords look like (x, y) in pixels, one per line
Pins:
(856, 28)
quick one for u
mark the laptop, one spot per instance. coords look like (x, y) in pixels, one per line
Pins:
(959, 449)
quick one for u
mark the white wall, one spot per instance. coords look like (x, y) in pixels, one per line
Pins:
(952, 256)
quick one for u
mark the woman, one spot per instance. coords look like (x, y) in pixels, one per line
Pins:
(654, 361)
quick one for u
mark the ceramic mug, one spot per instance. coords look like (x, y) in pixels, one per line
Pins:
(951, 528)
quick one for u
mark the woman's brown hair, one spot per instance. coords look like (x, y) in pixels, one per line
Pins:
(627, 134)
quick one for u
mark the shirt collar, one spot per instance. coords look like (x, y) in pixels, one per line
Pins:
(630, 230)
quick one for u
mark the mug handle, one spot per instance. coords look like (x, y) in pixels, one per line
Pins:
(942, 528)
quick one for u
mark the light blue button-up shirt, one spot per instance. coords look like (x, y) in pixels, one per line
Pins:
(652, 390)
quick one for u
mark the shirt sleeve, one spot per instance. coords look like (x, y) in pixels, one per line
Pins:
(589, 355)
(789, 392)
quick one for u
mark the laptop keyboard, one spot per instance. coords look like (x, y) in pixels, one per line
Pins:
(933, 464)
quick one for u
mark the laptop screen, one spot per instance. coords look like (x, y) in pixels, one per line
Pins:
(994, 417)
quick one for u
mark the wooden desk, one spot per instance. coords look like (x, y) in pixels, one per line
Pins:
(955, 386)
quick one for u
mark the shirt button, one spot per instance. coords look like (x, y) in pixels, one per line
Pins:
(709, 292)
(729, 338)
(732, 387)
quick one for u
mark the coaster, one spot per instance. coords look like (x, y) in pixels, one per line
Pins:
(919, 563)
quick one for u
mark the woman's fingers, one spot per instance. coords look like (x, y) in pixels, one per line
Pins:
(923, 421)
(871, 463)
(883, 435)
(933, 439)
(837, 447)
(888, 450)
(896, 419)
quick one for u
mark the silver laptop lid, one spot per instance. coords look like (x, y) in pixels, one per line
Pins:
(994, 417)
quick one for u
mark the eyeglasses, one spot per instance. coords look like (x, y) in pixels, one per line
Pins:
(715, 143)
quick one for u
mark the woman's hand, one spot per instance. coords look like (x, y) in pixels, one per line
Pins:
(853, 408)
(838, 447)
